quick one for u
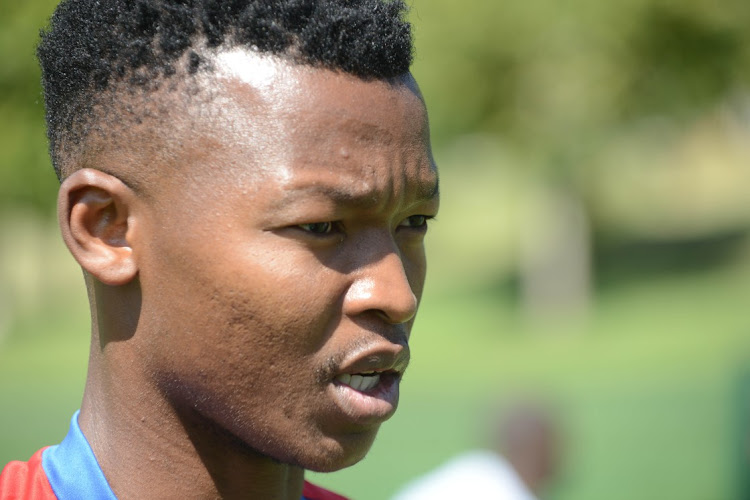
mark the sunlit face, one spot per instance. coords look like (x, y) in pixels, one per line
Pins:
(285, 259)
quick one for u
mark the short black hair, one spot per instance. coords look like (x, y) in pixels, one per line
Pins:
(92, 46)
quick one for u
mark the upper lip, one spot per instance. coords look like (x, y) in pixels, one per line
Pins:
(378, 358)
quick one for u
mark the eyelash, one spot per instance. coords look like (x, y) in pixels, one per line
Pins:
(331, 227)
(423, 221)
(312, 226)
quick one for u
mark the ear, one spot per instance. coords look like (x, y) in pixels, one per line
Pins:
(95, 211)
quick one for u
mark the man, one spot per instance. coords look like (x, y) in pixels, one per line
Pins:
(246, 186)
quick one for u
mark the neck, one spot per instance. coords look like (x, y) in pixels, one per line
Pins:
(148, 448)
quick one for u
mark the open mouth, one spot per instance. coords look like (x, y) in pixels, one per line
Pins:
(362, 382)
(366, 382)
(368, 395)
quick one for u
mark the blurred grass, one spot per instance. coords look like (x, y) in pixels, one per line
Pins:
(43, 335)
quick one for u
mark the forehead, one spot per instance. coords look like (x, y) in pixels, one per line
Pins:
(302, 115)
(272, 124)
(246, 77)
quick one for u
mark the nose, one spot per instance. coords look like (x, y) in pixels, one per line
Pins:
(382, 287)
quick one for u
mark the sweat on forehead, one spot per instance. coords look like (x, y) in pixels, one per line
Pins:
(97, 52)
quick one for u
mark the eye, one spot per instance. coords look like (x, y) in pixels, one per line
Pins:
(416, 221)
(318, 227)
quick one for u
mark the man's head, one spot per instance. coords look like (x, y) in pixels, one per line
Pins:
(103, 59)
(247, 187)
(527, 435)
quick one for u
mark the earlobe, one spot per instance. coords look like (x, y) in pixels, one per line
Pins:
(95, 211)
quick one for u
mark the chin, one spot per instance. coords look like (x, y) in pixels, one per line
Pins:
(340, 453)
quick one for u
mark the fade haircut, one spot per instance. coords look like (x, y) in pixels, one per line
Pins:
(95, 47)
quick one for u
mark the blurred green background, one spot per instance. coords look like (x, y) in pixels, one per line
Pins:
(592, 248)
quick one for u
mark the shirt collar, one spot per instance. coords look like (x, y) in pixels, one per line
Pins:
(72, 469)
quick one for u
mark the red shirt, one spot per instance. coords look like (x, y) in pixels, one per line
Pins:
(28, 481)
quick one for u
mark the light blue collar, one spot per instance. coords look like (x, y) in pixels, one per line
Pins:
(72, 469)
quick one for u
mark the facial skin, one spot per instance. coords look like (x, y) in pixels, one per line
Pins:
(281, 251)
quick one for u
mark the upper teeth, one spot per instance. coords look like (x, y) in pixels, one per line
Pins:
(360, 382)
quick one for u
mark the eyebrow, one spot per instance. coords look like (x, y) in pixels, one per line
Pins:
(356, 198)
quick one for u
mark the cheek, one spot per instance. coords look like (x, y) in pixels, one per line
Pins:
(242, 283)
(244, 364)
(238, 319)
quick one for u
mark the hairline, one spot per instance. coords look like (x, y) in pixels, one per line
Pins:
(123, 108)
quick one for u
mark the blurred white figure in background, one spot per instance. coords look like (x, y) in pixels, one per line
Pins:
(524, 463)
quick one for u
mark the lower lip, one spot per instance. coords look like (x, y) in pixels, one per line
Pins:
(374, 406)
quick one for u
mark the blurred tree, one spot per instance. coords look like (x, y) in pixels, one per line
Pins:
(560, 82)
(537, 71)
(681, 63)
(26, 176)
